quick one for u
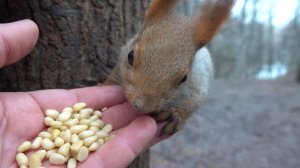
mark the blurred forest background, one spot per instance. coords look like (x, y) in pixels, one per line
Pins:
(261, 39)
(252, 116)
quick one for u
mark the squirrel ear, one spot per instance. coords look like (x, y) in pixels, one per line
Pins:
(213, 14)
(159, 9)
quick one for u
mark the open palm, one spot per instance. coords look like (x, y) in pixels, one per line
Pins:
(22, 113)
(21, 118)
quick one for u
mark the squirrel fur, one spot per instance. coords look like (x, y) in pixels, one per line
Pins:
(165, 69)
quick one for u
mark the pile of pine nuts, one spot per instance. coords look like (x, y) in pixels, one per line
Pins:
(70, 137)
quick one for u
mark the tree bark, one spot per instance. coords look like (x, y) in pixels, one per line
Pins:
(78, 45)
(76, 39)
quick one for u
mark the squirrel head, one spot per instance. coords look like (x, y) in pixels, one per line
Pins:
(157, 61)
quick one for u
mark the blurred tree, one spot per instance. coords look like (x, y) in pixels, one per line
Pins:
(253, 58)
(289, 42)
(189, 7)
(298, 73)
(270, 37)
(240, 54)
(78, 41)
(246, 44)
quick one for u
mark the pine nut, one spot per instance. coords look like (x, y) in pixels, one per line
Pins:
(70, 136)
(88, 110)
(76, 115)
(68, 109)
(55, 133)
(86, 134)
(72, 163)
(56, 124)
(48, 144)
(24, 146)
(97, 123)
(83, 153)
(63, 128)
(94, 146)
(35, 161)
(75, 147)
(101, 134)
(52, 113)
(64, 149)
(64, 116)
(88, 141)
(78, 128)
(68, 156)
(93, 118)
(37, 143)
(101, 141)
(72, 122)
(59, 141)
(107, 128)
(57, 159)
(48, 120)
(50, 129)
(67, 135)
(84, 115)
(78, 106)
(22, 159)
(85, 122)
(94, 128)
(50, 152)
(44, 135)
(74, 138)
(98, 113)
(41, 153)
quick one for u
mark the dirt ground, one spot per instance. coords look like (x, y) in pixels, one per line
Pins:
(244, 124)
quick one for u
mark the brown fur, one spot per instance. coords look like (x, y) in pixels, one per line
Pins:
(164, 52)
(212, 17)
(160, 9)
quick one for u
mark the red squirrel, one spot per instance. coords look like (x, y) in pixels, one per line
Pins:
(165, 69)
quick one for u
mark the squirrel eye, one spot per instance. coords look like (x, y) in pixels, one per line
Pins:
(182, 80)
(130, 57)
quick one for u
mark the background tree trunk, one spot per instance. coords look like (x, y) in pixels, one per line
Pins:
(79, 41)
(298, 73)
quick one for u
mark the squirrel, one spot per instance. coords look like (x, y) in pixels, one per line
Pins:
(165, 69)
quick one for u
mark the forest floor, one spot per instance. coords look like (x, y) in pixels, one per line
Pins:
(243, 124)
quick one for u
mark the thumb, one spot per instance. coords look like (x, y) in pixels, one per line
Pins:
(16, 40)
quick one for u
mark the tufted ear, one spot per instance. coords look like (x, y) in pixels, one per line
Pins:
(212, 16)
(159, 9)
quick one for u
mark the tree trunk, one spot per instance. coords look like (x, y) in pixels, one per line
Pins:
(298, 73)
(78, 44)
(240, 59)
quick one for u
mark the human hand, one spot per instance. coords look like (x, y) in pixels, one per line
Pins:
(21, 113)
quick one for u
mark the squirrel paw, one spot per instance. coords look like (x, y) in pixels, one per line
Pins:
(160, 117)
(173, 125)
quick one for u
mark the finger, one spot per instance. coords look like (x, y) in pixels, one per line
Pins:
(119, 115)
(158, 136)
(16, 40)
(3, 127)
(95, 97)
(125, 146)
